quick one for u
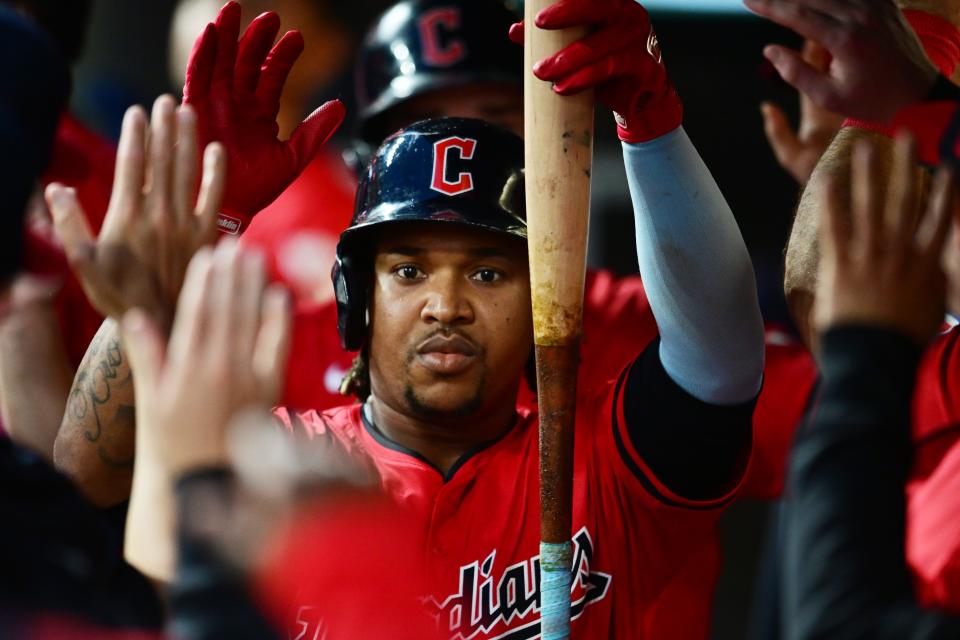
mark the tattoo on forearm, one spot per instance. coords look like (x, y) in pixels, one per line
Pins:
(90, 399)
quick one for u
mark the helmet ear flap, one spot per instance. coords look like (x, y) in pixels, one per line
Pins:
(350, 287)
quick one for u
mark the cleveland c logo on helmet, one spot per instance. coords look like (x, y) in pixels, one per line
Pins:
(441, 158)
(434, 54)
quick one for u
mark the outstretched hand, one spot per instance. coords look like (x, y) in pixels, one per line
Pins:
(227, 352)
(799, 151)
(884, 267)
(235, 88)
(878, 66)
(155, 221)
(620, 59)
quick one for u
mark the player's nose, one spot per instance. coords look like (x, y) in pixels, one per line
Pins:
(447, 302)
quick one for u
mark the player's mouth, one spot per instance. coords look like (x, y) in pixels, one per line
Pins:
(446, 355)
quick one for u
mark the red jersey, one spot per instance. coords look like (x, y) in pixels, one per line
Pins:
(333, 556)
(83, 160)
(317, 362)
(933, 491)
(789, 375)
(645, 558)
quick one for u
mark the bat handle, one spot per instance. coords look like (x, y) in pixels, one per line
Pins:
(555, 581)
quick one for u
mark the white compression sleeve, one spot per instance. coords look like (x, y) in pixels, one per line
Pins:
(696, 272)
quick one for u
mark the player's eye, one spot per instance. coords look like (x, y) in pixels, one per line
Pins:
(408, 272)
(487, 275)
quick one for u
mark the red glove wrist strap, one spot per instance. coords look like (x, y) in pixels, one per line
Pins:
(941, 41)
(650, 125)
(876, 127)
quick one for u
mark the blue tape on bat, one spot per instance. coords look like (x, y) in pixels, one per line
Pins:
(555, 577)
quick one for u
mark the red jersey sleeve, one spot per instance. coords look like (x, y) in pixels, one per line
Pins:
(674, 451)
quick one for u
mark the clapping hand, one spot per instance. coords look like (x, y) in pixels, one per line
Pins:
(884, 267)
(155, 221)
(877, 68)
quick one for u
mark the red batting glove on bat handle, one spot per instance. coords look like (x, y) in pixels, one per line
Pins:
(235, 89)
(620, 59)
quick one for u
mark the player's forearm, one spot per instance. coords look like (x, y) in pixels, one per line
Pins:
(35, 377)
(95, 444)
(803, 254)
(696, 272)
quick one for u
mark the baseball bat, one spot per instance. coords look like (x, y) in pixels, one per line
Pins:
(558, 135)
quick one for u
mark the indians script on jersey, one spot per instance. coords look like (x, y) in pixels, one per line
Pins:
(493, 601)
(491, 597)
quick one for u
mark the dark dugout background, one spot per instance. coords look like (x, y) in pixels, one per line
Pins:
(716, 63)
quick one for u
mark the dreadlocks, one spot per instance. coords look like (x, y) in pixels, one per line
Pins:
(357, 381)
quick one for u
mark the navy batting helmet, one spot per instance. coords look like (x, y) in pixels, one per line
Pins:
(443, 171)
(424, 45)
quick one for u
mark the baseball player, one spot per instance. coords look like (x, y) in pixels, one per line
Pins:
(459, 72)
(434, 383)
(433, 290)
(59, 577)
(612, 306)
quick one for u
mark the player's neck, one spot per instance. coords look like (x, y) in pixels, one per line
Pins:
(440, 440)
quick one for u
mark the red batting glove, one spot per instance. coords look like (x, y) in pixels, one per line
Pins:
(235, 89)
(620, 59)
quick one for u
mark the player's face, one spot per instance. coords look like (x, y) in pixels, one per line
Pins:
(450, 320)
(500, 104)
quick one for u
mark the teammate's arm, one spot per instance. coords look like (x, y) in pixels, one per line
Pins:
(138, 260)
(846, 575)
(95, 444)
(35, 374)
